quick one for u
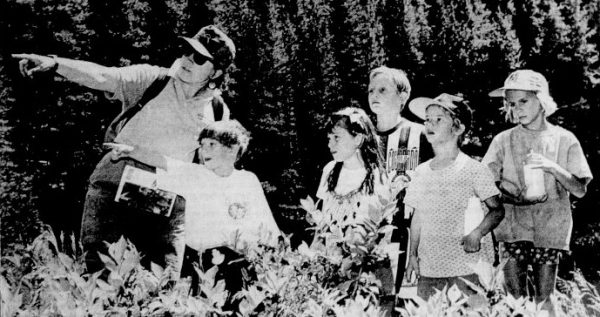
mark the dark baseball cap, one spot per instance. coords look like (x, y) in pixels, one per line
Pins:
(213, 43)
(456, 105)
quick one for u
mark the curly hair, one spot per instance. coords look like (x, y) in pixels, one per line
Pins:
(357, 122)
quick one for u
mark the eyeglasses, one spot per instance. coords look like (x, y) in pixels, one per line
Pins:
(196, 57)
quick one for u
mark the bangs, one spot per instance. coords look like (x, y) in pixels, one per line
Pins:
(226, 138)
(336, 120)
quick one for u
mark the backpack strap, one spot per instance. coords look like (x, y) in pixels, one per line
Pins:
(150, 93)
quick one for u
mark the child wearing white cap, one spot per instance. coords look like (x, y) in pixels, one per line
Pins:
(445, 191)
(536, 165)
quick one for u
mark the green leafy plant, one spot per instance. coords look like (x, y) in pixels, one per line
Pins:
(316, 279)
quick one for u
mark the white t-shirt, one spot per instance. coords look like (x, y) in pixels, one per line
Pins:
(220, 210)
(440, 198)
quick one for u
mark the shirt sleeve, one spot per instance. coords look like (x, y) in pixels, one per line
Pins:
(493, 158)
(577, 163)
(483, 182)
(131, 82)
(126, 84)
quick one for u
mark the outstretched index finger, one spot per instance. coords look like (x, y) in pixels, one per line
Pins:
(22, 56)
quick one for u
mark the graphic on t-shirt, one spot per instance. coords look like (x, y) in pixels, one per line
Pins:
(402, 160)
(237, 210)
(139, 189)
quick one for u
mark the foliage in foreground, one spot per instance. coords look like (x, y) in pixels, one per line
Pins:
(321, 279)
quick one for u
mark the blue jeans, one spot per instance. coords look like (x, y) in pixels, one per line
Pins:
(159, 239)
(426, 286)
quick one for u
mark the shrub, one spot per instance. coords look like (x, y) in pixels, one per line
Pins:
(333, 276)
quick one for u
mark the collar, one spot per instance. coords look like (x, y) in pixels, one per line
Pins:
(174, 67)
(400, 122)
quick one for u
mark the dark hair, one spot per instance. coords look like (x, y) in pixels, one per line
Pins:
(227, 132)
(356, 122)
(461, 114)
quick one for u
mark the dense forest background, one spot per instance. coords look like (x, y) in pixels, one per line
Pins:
(298, 60)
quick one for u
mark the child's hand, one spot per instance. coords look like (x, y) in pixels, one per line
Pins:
(472, 242)
(412, 270)
(542, 162)
(119, 150)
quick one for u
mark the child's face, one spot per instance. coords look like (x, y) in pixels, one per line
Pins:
(216, 155)
(525, 106)
(342, 144)
(384, 97)
(439, 126)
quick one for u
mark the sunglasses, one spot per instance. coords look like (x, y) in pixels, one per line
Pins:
(196, 57)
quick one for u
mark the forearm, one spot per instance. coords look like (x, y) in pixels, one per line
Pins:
(575, 185)
(88, 74)
(415, 236)
(493, 218)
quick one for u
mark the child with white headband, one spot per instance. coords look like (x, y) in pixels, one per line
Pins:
(536, 165)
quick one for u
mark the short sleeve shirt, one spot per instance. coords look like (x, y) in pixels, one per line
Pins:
(440, 198)
(547, 224)
(220, 210)
(169, 124)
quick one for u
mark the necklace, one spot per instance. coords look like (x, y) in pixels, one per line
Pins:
(349, 195)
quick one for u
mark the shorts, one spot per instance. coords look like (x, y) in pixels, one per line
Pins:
(547, 225)
(524, 251)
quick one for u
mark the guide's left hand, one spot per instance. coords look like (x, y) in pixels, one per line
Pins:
(472, 242)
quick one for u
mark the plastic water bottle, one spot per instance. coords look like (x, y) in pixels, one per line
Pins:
(534, 180)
